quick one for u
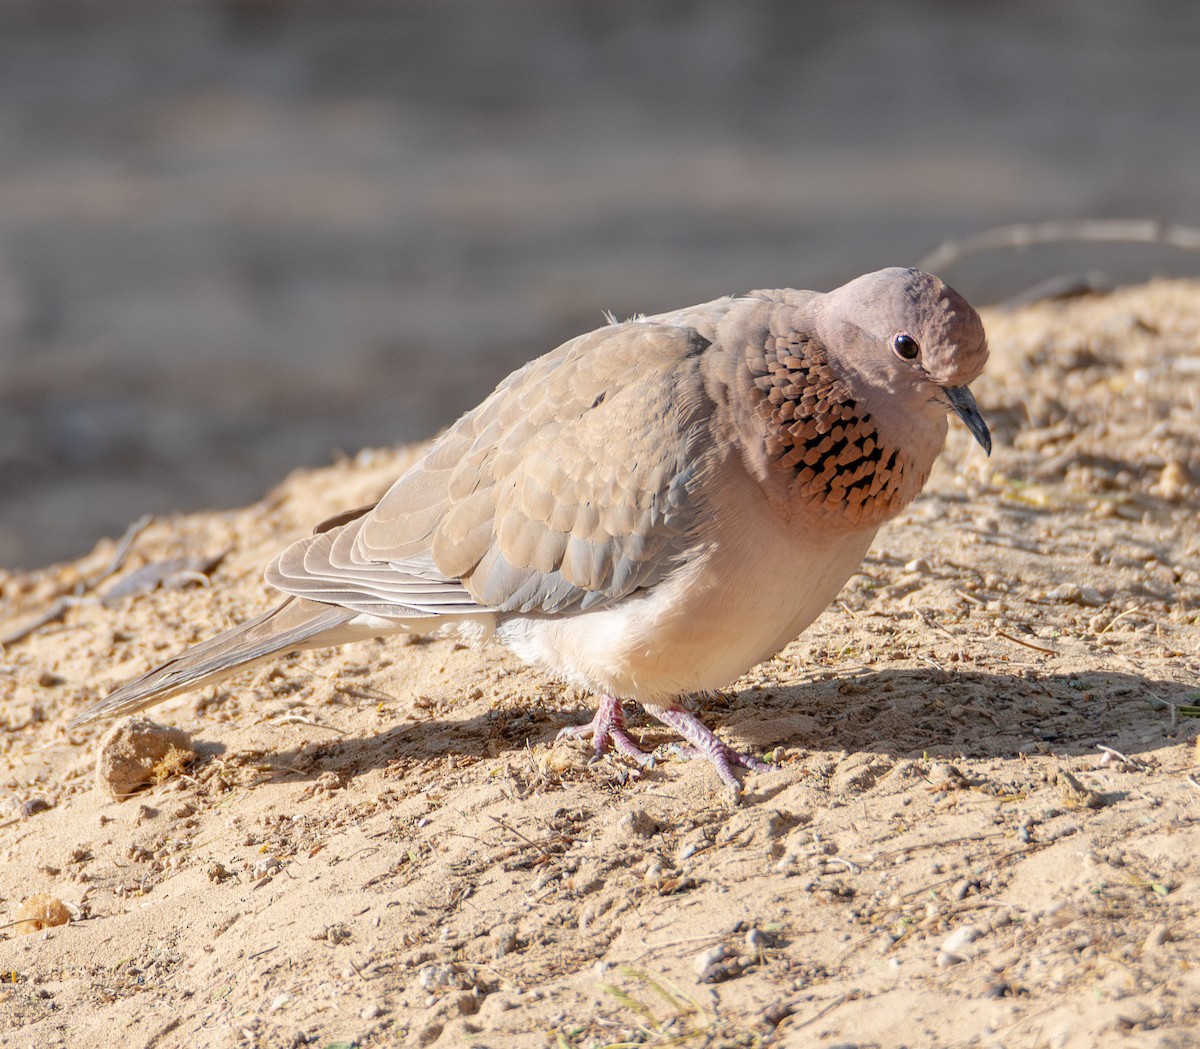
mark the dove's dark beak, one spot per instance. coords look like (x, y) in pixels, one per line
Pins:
(968, 411)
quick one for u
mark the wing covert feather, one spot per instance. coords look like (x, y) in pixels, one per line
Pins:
(572, 485)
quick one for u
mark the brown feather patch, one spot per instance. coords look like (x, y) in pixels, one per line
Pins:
(818, 432)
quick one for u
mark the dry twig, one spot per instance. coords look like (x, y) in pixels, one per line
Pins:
(1090, 231)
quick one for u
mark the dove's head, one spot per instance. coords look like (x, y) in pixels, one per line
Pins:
(909, 344)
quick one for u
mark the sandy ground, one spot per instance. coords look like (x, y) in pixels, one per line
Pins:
(982, 830)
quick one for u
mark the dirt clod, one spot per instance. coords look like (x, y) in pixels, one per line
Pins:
(137, 752)
(42, 911)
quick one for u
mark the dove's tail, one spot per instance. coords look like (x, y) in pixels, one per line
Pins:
(296, 623)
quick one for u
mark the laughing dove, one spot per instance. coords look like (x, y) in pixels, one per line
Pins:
(647, 511)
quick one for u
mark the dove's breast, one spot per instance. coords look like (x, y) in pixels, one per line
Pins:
(749, 585)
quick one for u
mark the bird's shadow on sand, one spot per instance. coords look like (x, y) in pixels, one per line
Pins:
(906, 713)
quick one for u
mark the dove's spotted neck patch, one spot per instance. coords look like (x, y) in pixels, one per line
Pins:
(818, 431)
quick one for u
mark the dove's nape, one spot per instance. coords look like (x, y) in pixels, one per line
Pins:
(650, 509)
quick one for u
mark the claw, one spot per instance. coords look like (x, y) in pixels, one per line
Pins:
(607, 729)
(704, 744)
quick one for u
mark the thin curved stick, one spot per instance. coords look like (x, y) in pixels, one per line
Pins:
(1024, 235)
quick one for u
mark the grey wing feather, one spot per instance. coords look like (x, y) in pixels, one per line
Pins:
(574, 484)
(293, 624)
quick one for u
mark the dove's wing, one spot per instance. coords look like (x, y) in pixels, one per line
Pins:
(574, 484)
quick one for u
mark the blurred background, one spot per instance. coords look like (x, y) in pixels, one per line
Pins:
(240, 236)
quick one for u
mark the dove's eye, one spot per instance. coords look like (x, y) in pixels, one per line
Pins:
(906, 347)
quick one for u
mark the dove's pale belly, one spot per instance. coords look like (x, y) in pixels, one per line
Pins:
(753, 589)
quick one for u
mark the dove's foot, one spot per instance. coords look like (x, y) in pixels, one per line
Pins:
(607, 729)
(704, 744)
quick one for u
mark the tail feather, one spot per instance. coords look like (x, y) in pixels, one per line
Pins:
(294, 624)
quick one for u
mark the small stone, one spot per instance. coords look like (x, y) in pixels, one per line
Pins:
(504, 940)
(716, 965)
(918, 565)
(639, 824)
(268, 865)
(709, 957)
(958, 940)
(1174, 482)
(944, 776)
(1074, 795)
(22, 810)
(372, 1012)
(757, 940)
(1077, 595)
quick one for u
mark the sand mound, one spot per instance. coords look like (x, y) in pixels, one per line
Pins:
(983, 830)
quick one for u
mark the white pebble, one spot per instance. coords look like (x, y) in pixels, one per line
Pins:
(958, 939)
(710, 957)
(951, 952)
(757, 940)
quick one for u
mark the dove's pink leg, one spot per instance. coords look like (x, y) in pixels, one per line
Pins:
(704, 744)
(607, 729)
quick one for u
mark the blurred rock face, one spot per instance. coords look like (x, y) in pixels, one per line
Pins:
(239, 237)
